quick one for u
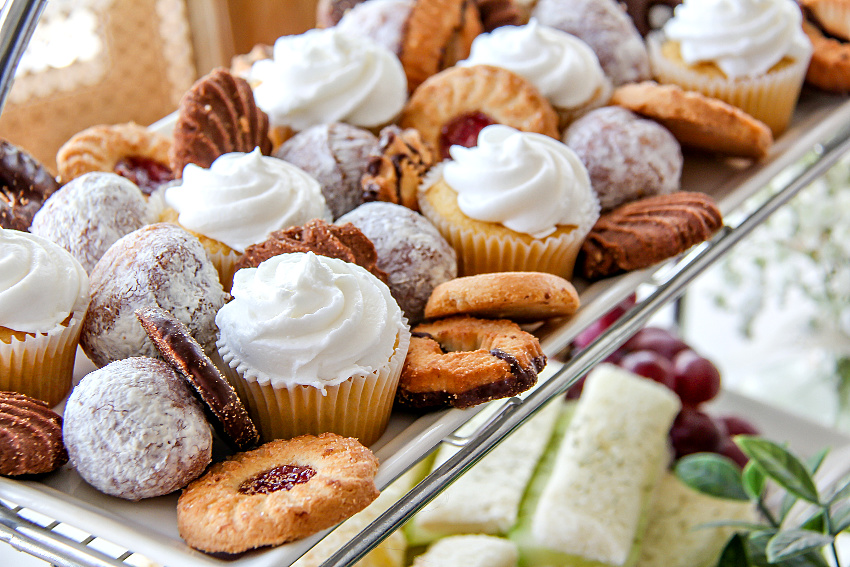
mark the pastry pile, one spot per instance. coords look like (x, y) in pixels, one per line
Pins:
(352, 222)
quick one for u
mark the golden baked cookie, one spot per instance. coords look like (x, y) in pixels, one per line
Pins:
(439, 33)
(522, 296)
(282, 491)
(464, 361)
(131, 150)
(452, 106)
(696, 120)
(829, 68)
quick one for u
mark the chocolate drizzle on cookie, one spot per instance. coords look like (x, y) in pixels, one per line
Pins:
(463, 361)
(394, 175)
(218, 115)
(645, 232)
(24, 186)
(30, 436)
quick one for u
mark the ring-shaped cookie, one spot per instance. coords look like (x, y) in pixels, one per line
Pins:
(129, 149)
(282, 491)
(829, 68)
(480, 92)
(463, 361)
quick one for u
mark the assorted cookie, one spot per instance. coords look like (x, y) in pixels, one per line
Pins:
(30, 436)
(174, 342)
(130, 150)
(697, 121)
(642, 233)
(217, 115)
(463, 361)
(24, 186)
(282, 491)
(519, 296)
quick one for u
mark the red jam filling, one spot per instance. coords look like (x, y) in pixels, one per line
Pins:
(283, 477)
(462, 130)
(148, 174)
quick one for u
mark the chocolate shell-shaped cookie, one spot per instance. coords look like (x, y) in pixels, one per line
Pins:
(218, 115)
(498, 13)
(345, 242)
(30, 436)
(645, 232)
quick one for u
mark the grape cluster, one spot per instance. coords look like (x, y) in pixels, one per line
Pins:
(659, 355)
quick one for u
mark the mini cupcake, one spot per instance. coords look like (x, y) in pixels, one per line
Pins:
(563, 67)
(324, 76)
(517, 201)
(313, 344)
(752, 54)
(239, 201)
(44, 294)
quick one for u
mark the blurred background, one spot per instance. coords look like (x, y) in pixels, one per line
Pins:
(110, 61)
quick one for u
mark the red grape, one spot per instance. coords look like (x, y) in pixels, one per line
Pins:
(575, 390)
(696, 379)
(694, 432)
(596, 328)
(738, 426)
(649, 364)
(655, 339)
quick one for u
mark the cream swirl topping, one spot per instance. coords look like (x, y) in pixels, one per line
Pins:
(563, 67)
(41, 283)
(744, 38)
(242, 198)
(303, 319)
(527, 182)
(325, 75)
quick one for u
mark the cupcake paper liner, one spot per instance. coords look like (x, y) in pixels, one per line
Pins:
(480, 253)
(358, 407)
(42, 365)
(770, 98)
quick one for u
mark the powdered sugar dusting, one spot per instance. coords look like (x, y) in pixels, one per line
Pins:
(160, 264)
(88, 214)
(134, 430)
(410, 250)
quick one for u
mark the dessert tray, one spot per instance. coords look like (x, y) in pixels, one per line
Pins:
(820, 133)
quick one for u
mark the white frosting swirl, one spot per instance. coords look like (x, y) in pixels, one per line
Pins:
(563, 67)
(303, 319)
(527, 182)
(242, 198)
(744, 38)
(40, 283)
(325, 75)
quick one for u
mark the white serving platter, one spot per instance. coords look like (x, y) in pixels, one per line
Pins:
(149, 527)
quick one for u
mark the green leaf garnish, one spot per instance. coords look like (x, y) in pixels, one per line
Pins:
(735, 553)
(754, 479)
(793, 543)
(780, 466)
(712, 474)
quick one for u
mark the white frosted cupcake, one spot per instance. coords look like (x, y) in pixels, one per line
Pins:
(517, 201)
(324, 76)
(239, 201)
(313, 344)
(563, 67)
(752, 54)
(44, 295)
